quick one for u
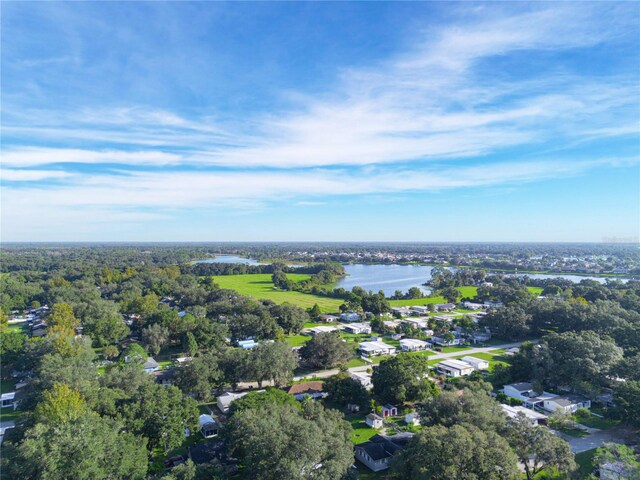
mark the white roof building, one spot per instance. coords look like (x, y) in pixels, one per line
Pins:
(373, 349)
(454, 368)
(476, 363)
(321, 329)
(413, 345)
(226, 399)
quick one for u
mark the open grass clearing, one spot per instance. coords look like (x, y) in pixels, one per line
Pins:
(260, 286)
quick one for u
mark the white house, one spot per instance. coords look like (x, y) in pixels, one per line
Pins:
(358, 328)
(445, 307)
(364, 378)
(472, 305)
(416, 322)
(437, 340)
(247, 344)
(311, 389)
(454, 368)
(226, 399)
(373, 420)
(476, 363)
(412, 418)
(328, 318)
(519, 391)
(374, 349)
(566, 403)
(208, 426)
(8, 400)
(535, 418)
(321, 329)
(412, 345)
(402, 311)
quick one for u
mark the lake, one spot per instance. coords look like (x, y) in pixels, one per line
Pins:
(573, 278)
(229, 259)
(387, 278)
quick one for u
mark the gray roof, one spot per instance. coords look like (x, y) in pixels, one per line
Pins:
(521, 387)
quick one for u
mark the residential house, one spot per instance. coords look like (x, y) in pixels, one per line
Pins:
(389, 411)
(535, 418)
(3, 429)
(454, 368)
(357, 328)
(321, 329)
(566, 403)
(476, 363)
(420, 310)
(396, 336)
(480, 336)
(402, 311)
(328, 318)
(413, 345)
(445, 307)
(520, 391)
(247, 344)
(509, 352)
(378, 452)
(301, 390)
(412, 419)
(472, 305)
(350, 317)
(374, 349)
(440, 341)
(373, 420)
(364, 378)
(492, 304)
(208, 426)
(150, 365)
(8, 400)
(163, 377)
(225, 400)
(414, 322)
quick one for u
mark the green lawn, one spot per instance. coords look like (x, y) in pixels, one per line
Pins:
(594, 421)
(535, 290)
(585, 463)
(465, 291)
(7, 414)
(297, 340)
(22, 327)
(361, 431)
(260, 286)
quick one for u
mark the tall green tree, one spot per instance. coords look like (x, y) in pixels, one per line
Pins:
(326, 350)
(273, 361)
(403, 378)
(538, 448)
(461, 452)
(88, 448)
(282, 441)
(160, 414)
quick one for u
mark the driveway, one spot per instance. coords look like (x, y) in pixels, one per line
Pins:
(597, 438)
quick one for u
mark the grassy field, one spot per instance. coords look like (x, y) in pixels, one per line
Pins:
(465, 291)
(260, 286)
(535, 290)
(297, 340)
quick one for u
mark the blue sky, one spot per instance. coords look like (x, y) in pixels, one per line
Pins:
(320, 121)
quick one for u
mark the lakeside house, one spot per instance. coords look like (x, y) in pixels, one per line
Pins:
(413, 345)
(328, 318)
(378, 452)
(445, 307)
(454, 368)
(420, 310)
(376, 348)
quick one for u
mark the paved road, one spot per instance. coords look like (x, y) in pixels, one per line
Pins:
(437, 356)
(596, 438)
